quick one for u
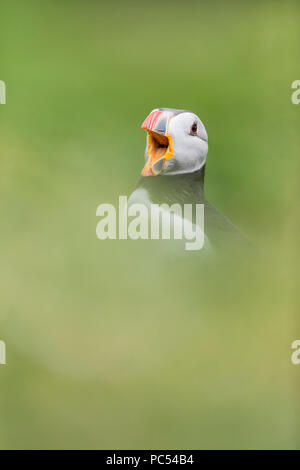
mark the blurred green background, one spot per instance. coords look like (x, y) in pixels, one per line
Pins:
(124, 344)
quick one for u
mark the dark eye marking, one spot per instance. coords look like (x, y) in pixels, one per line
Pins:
(194, 128)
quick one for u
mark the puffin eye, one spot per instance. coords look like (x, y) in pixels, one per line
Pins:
(194, 128)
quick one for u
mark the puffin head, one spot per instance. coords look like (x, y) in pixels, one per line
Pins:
(177, 142)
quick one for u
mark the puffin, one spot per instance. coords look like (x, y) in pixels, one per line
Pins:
(174, 171)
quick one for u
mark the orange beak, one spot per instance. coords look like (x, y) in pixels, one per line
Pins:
(160, 146)
(157, 148)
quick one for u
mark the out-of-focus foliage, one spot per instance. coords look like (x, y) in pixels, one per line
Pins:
(125, 344)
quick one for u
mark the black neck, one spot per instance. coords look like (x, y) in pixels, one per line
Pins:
(185, 188)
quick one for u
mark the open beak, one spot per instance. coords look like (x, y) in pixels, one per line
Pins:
(160, 146)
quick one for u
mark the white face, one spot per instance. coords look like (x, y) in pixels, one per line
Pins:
(190, 148)
(178, 142)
